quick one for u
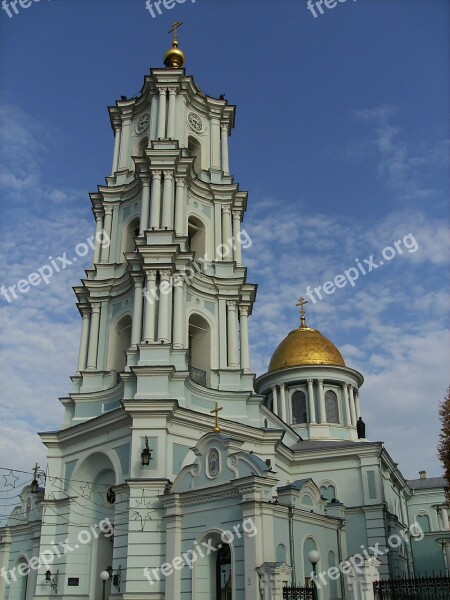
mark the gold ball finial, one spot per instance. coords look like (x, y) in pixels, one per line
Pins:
(174, 58)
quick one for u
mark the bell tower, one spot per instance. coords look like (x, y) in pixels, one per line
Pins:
(165, 303)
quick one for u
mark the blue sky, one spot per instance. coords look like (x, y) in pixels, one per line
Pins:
(341, 139)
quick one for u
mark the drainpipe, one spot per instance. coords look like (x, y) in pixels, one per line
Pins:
(291, 543)
(338, 533)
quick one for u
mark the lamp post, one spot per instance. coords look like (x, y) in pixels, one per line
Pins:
(104, 576)
(314, 557)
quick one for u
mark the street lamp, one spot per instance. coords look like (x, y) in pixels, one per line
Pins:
(104, 576)
(314, 557)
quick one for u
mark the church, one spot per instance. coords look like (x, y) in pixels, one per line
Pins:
(176, 473)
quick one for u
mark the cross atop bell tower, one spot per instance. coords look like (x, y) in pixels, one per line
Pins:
(166, 303)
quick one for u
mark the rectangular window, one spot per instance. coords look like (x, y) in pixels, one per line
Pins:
(371, 485)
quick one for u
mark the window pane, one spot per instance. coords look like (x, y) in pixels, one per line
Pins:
(331, 407)
(299, 408)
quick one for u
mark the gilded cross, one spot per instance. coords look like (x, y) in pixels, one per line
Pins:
(175, 27)
(302, 303)
(216, 412)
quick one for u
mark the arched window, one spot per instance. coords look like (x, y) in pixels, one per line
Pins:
(119, 343)
(224, 590)
(424, 523)
(299, 414)
(328, 491)
(200, 350)
(197, 237)
(281, 553)
(331, 407)
(195, 151)
(308, 545)
(139, 151)
(19, 585)
(333, 582)
(131, 232)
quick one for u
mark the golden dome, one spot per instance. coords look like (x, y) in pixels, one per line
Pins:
(305, 346)
(174, 58)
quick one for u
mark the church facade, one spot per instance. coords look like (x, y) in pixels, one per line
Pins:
(176, 474)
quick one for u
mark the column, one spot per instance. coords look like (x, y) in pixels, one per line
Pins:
(352, 404)
(215, 144)
(164, 315)
(357, 406)
(444, 518)
(171, 119)
(98, 236)
(155, 207)
(173, 522)
(136, 328)
(275, 400)
(311, 406)
(167, 208)
(237, 236)
(178, 313)
(283, 402)
(104, 253)
(346, 405)
(243, 330)
(125, 141)
(226, 233)
(145, 207)
(115, 162)
(322, 411)
(224, 140)
(162, 114)
(232, 331)
(446, 547)
(151, 296)
(93, 336)
(180, 216)
(82, 355)
(289, 408)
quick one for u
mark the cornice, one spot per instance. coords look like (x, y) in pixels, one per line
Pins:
(92, 428)
(291, 375)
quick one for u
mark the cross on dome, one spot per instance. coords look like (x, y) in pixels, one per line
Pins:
(302, 303)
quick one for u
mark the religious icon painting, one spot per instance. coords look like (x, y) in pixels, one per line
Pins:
(213, 463)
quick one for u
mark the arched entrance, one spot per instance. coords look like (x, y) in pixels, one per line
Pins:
(213, 577)
(224, 574)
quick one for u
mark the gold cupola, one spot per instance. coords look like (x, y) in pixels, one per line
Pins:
(174, 58)
(305, 346)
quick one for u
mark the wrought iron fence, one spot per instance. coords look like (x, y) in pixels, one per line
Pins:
(413, 588)
(298, 593)
(198, 376)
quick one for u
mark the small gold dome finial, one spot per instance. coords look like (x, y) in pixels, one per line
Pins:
(302, 303)
(174, 58)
